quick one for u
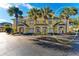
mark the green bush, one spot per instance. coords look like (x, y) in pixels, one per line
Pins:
(9, 30)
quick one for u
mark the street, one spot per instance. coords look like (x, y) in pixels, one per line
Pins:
(22, 46)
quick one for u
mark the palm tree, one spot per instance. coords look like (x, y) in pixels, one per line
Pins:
(46, 13)
(14, 11)
(33, 13)
(76, 24)
(43, 12)
(66, 13)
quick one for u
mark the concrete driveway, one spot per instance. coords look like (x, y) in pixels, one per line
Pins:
(22, 46)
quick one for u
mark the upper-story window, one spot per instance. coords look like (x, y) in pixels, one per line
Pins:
(44, 21)
(32, 22)
(38, 21)
(50, 22)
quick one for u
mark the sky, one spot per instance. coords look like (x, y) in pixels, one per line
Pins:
(25, 7)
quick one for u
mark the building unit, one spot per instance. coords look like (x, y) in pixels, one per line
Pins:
(43, 26)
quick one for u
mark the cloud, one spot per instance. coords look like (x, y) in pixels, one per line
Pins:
(5, 5)
(4, 20)
(28, 6)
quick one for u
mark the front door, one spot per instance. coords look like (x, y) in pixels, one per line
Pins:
(21, 30)
(61, 30)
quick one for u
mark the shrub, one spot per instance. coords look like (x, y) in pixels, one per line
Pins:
(28, 33)
(8, 30)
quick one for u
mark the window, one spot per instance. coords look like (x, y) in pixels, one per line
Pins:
(38, 29)
(31, 30)
(50, 30)
(50, 22)
(44, 21)
(38, 21)
(32, 22)
(44, 29)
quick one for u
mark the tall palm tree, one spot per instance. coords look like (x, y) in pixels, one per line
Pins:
(66, 13)
(43, 12)
(76, 24)
(46, 13)
(14, 11)
(33, 13)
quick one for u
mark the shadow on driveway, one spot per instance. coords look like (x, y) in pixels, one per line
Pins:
(74, 48)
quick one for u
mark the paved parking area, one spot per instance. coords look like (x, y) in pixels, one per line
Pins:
(22, 46)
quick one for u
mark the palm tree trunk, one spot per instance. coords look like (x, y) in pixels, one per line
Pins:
(67, 25)
(16, 16)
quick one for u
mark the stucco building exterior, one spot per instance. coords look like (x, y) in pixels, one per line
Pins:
(43, 26)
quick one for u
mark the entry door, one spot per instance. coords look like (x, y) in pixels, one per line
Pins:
(21, 30)
(61, 30)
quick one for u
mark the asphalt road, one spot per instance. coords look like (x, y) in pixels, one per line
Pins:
(22, 46)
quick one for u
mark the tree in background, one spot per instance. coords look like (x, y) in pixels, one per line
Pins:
(14, 11)
(66, 13)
